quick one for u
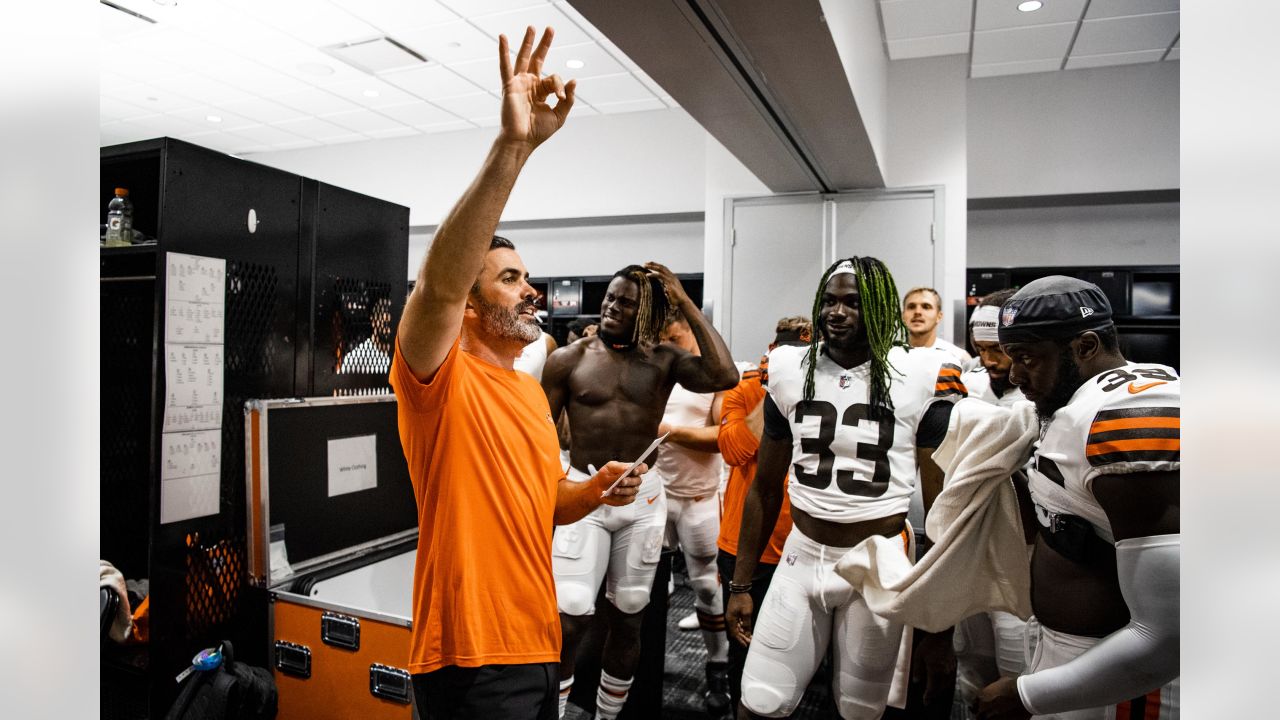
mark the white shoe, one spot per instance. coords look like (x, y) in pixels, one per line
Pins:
(689, 622)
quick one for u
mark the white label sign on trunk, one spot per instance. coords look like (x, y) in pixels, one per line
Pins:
(353, 464)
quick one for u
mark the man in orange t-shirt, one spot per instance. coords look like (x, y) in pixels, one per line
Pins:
(480, 443)
(741, 424)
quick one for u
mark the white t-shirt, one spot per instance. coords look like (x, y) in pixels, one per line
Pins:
(533, 357)
(688, 473)
(1120, 422)
(847, 467)
(952, 349)
(978, 382)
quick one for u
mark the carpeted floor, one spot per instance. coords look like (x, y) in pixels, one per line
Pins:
(685, 672)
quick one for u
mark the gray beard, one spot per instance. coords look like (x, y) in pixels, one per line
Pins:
(502, 322)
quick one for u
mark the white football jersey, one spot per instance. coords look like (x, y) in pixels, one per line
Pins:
(847, 467)
(978, 382)
(1121, 421)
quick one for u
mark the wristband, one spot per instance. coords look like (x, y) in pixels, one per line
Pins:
(735, 588)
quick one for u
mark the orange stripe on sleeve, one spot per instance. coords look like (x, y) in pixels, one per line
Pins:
(1153, 706)
(1133, 423)
(1116, 446)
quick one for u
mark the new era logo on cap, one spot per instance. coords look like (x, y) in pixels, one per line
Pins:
(1086, 312)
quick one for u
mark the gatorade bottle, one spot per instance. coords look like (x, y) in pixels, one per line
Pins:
(119, 220)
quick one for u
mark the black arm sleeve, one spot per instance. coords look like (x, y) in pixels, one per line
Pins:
(933, 426)
(775, 423)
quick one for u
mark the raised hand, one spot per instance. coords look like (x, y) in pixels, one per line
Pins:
(526, 116)
(675, 291)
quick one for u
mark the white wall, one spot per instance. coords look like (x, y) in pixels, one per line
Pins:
(594, 250)
(1094, 235)
(855, 28)
(602, 165)
(1080, 131)
(928, 146)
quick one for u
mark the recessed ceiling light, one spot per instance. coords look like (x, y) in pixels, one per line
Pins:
(455, 45)
(1030, 5)
(315, 68)
(153, 98)
(574, 64)
(167, 3)
(213, 118)
(370, 93)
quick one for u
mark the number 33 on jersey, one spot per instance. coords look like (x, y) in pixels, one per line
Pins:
(847, 465)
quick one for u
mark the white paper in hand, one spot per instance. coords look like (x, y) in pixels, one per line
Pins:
(652, 446)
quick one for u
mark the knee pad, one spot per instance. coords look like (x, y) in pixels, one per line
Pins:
(575, 599)
(764, 699)
(706, 588)
(852, 708)
(630, 600)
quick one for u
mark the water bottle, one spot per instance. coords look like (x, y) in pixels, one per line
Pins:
(119, 220)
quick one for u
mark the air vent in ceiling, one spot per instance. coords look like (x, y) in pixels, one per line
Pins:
(377, 56)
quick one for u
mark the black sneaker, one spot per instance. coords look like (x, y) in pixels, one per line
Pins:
(719, 705)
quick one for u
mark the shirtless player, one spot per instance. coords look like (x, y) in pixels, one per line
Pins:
(614, 387)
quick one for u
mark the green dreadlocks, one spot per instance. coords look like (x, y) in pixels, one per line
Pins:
(882, 319)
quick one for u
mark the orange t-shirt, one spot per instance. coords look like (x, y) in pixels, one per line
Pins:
(739, 447)
(485, 466)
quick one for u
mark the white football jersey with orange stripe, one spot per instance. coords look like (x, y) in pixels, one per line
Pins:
(1121, 421)
(847, 467)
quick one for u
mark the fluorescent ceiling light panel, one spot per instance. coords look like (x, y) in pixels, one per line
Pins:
(377, 56)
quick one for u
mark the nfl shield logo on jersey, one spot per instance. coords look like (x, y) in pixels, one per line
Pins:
(845, 381)
(1007, 315)
(791, 558)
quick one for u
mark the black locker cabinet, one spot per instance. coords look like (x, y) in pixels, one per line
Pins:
(296, 251)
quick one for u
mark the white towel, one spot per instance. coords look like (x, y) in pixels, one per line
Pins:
(122, 624)
(979, 559)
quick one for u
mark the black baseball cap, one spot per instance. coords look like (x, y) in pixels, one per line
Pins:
(1053, 308)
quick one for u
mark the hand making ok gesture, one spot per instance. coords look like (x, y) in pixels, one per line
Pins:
(526, 116)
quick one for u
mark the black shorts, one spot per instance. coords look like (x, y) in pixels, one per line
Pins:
(519, 692)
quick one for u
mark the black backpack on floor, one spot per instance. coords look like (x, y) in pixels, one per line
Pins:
(234, 691)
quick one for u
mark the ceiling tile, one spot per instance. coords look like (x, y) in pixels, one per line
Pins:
(111, 109)
(315, 23)
(315, 129)
(955, 44)
(197, 85)
(450, 43)
(513, 24)
(1014, 68)
(154, 99)
(418, 114)
(392, 133)
(484, 73)
(613, 89)
(998, 14)
(267, 134)
(362, 121)
(920, 18)
(475, 8)
(648, 82)
(315, 101)
(448, 126)
(489, 121)
(1086, 61)
(1117, 8)
(387, 94)
(633, 106)
(596, 61)
(264, 111)
(308, 64)
(115, 25)
(1173, 54)
(1039, 42)
(1125, 34)
(108, 81)
(300, 144)
(469, 106)
(433, 81)
(391, 15)
(200, 116)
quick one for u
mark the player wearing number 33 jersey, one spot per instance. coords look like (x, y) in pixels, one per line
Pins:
(852, 417)
(845, 465)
